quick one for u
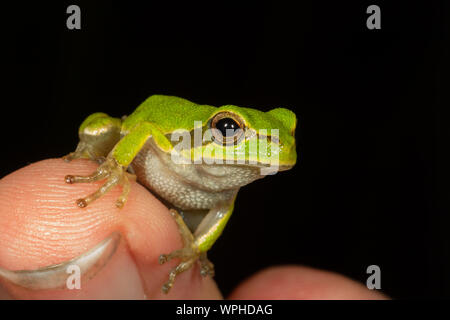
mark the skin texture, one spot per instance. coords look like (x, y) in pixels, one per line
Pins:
(40, 226)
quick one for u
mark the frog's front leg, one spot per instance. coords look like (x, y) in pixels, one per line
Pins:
(195, 246)
(113, 169)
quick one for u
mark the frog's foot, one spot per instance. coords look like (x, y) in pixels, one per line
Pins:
(188, 255)
(84, 151)
(207, 267)
(114, 174)
(73, 155)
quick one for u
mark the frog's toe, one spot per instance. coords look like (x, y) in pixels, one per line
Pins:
(83, 155)
(183, 266)
(207, 267)
(83, 151)
(75, 155)
(69, 157)
(185, 253)
(98, 174)
(114, 175)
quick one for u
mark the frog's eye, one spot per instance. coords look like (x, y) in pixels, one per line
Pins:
(227, 128)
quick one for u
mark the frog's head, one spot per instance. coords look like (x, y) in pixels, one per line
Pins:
(251, 137)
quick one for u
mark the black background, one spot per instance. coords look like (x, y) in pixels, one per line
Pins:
(372, 186)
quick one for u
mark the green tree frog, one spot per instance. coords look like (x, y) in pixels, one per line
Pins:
(201, 189)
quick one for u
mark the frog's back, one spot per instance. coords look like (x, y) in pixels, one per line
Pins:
(168, 113)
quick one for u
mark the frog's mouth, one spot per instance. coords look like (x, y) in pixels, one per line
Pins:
(271, 168)
(283, 166)
(259, 168)
(280, 167)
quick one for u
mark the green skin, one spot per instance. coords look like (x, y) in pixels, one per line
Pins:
(143, 144)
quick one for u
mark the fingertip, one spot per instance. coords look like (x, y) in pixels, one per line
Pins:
(40, 225)
(302, 283)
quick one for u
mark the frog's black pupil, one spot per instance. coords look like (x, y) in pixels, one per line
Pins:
(227, 126)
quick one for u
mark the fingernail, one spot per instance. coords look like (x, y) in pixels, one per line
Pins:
(55, 276)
